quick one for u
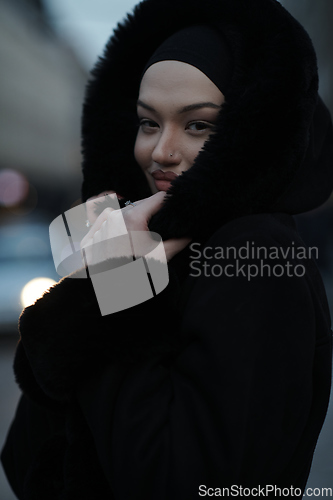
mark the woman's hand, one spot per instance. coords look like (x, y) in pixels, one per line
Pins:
(93, 202)
(109, 235)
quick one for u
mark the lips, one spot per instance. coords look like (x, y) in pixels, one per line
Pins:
(159, 175)
(163, 179)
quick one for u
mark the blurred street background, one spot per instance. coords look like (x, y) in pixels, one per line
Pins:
(47, 48)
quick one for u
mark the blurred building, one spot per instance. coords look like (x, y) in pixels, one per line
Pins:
(317, 18)
(41, 91)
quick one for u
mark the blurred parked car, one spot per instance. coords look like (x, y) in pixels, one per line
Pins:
(25, 254)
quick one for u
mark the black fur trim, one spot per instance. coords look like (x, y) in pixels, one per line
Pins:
(65, 338)
(262, 133)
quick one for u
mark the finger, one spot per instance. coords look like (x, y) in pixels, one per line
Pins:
(144, 210)
(147, 207)
(99, 219)
(97, 225)
(96, 200)
(90, 203)
(111, 227)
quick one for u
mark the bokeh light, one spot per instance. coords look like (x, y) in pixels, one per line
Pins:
(14, 187)
(35, 289)
(28, 205)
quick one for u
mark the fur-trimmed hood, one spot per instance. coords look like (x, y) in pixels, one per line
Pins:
(273, 146)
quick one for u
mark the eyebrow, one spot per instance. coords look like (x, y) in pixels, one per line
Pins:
(190, 107)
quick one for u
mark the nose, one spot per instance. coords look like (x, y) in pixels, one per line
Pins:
(166, 151)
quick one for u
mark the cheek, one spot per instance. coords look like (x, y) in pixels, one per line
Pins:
(193, 150)
(141, 152)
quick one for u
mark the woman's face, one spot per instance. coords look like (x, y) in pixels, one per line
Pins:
(178, 107)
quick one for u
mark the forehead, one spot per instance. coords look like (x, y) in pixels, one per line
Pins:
(177, 79)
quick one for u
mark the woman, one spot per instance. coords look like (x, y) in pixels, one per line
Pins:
(222, 380)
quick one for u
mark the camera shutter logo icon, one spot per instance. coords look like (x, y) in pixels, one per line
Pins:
(134, 271)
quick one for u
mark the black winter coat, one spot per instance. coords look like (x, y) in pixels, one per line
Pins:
(223, 379)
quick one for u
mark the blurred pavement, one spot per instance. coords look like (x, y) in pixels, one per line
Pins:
(9, 395)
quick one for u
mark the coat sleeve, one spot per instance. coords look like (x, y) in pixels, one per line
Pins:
(64, 338)
(239, 405)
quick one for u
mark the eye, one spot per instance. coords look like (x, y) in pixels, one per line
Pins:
(148, 124)
(200, 126)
